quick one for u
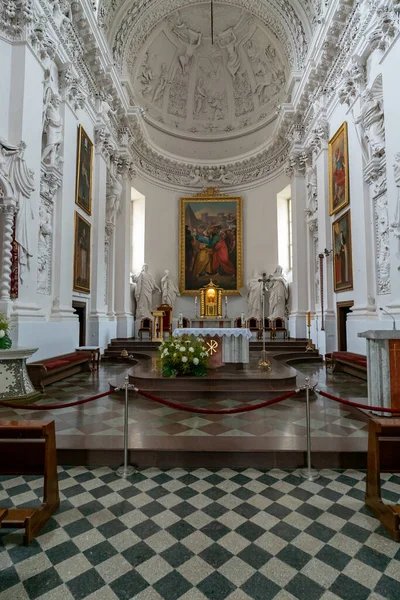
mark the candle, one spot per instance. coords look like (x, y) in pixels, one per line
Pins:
(242, 319)
(308, 319)
(195, 300)
(226, 299)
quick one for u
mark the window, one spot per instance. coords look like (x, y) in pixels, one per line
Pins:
(138, 217)
(290, 237)
(285, 237)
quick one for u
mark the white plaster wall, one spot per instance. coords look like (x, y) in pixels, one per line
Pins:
(5, 62)
(260, 235)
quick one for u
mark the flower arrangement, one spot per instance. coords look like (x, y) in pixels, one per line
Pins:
(183, 356)
(5, 327)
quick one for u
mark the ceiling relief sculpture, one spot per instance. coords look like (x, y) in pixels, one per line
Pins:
(189, 86)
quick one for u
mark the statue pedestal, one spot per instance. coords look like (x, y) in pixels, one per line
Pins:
(383, 363)
(14, 379)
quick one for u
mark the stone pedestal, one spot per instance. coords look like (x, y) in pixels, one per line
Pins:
(383, 360)
(14, 379)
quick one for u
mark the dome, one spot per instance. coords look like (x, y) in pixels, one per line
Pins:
(195, 88)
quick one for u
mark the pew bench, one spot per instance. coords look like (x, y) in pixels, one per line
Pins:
(351, 363)
(49, 370)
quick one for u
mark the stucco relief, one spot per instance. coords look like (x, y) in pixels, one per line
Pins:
(381, 217)
(45, 244)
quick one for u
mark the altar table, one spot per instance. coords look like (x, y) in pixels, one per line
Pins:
(235, 341)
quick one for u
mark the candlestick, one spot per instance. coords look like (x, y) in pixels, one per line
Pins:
(308, 319)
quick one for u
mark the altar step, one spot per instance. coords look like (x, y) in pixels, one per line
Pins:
(134, 346)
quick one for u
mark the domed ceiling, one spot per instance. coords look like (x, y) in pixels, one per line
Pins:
(196, 89)
(189, 86)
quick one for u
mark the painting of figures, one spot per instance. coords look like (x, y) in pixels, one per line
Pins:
(210, 242)
(338, 171)
(84, 172)
(342, 254)
(82, 252)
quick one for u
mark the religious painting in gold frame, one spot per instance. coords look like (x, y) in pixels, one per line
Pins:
(342, 254)
(210, 242)
(338, 158)
(82, 255)
(84, 171)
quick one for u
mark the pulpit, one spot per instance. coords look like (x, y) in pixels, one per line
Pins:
(158, 330)
(383, 359)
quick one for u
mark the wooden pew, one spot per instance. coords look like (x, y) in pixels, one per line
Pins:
(383, 456)
(29, 448)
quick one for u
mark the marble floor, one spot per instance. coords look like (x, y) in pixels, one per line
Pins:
(201, 535)
(151, 425)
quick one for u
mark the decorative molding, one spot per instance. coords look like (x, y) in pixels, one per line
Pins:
(395, 225)
(297, 163)
(50, 181)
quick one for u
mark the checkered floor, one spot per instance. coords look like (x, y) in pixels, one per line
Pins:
(192, 535)
(105, 416)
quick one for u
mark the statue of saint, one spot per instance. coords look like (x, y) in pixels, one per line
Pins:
(254, 302)
(169, 289)
(53, 129)
(145, 286)
(373, 123)
(278, 294)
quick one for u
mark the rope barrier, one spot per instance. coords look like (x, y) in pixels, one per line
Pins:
(357, 404)
(53, 406)
(224, 411)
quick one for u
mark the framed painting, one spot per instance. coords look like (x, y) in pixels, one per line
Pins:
(211, 242)
(342, 254)
(82, 255)
(84, 171)
(338, 170)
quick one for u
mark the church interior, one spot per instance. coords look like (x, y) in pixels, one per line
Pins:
(199, 300)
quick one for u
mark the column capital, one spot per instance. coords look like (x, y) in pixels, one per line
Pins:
(297, 163)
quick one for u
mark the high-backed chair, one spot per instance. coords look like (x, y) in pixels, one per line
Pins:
(279, 325)
(146, 326)
(237, 322)
(255, 326)
(167, 318)
(185, 323)
(268, 327)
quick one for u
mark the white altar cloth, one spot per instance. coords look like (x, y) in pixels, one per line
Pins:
(235, 343)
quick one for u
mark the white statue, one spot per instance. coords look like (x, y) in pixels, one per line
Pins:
(200, 97)
(114, 192)
(61, 15)
(162, 83)
(105, 106)
(254, 301)
(311, 191)
(145, 286)
(372, 120)
(278, 294)
(53, 129)
(146, 76)
(169, 289)
(191, 39)
(228, 40)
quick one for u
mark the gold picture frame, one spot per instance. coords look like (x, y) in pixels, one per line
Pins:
(84, 171)
(210, 242)
(342, 254)
(82, 255)
(338, 160)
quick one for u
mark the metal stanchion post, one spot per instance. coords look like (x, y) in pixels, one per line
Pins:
(125, 470)
(309, 473)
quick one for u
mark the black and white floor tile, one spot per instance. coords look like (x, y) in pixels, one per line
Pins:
(195, 535)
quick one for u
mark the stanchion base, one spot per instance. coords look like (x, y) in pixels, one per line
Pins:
(308, 474)
(126, 471)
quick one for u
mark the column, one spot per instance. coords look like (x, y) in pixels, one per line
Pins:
(7, 210)
(63, 229)
(25, 124)
(98, 319)
(123, 233)
(328, 336)
(110, 267)
(297, 317)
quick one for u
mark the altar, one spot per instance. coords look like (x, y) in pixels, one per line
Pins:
(225, 345)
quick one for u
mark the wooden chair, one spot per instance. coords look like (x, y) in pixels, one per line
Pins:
(254, 325)
(268, 328)
(383, 456)
(279, 325)
(29, 448)
(146, 326)
(237, 322)
(167, 318)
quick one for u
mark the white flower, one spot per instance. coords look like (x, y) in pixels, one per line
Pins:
(195, 361)
(175, 355)
(182, 349)
(2, 333)
(166, 352)
(184, 359)
(191, 349)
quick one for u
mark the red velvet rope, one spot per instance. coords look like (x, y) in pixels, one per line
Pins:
(358, 405)
(224, 411)
(53, 406)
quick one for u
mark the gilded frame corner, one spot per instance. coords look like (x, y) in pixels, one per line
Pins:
(210, 195)
(341, 132)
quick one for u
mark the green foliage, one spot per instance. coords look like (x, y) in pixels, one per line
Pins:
(183, 356)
